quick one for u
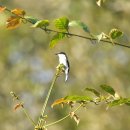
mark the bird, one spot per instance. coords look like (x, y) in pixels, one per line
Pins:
(63, 59)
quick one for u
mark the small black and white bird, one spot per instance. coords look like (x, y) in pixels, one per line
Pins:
(63, 59)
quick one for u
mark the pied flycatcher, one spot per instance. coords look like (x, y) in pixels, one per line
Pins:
(63, 59)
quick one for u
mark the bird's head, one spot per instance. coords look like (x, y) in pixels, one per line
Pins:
(61, 55)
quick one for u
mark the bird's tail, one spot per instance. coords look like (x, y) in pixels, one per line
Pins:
(66, 75)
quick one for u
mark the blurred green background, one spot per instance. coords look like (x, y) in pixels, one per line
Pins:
(27, 65)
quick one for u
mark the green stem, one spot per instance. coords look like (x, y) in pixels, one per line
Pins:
(57, 121)
(47, 97)
(63, 117)
(24, 110)
(27, 115)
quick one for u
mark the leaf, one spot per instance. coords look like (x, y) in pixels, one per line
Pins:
(62, 23)
(31, 19)
(93, 91)
(78, 98)
(101, 36)
(56, 38)
(17, 106)
(13, 22)
(79, 24)
(75, 117)
(108, 89)
(99, 2)
(128, 103)
(119, 102)
(41, 23)
(59, 101)
(117, 96)
(18, 12)
(115, 33)
(2, 8)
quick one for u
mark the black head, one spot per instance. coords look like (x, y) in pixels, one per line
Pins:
(60, 53)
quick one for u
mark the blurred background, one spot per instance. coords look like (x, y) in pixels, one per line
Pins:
(27, 65)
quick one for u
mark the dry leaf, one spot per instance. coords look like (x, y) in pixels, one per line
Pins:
(19, 12)
(72, 114)
(13, 22)
(2, 8)
(59, 101)
(75, 117)
(17, 106)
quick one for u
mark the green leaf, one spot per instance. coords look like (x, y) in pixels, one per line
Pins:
(79, 24)
(93, 91)
(41, 23)
(78, 98)
(56, 38)
(62, 23)
(119, 102)
(108, 89)
(31, 19)
(128, 103)
(115, 33)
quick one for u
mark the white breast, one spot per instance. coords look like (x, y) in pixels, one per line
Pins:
(62, 59)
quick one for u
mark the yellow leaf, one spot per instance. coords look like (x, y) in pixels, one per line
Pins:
(19, 12)
(13, 22)
(59, 101)
(2, 8)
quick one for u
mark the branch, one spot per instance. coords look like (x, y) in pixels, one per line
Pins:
(70, 34)
(63, 117)
(15, 97)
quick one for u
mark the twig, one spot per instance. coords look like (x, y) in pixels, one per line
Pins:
(27, 115)
(68, 33)
(63, 117)
(24, 110)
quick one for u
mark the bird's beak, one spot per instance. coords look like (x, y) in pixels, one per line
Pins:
(56, 53)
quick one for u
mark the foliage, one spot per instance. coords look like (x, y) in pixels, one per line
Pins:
(112, 99)
(62, 24)
(115, 33)
(13, 22)
(41, 23)
(2, 8)
(79, 24)
(57, 37)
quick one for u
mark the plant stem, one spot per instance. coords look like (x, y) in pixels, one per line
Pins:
(27, 115)
(63, 117)
(47, 97)
(57, 121)
(24, 110)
